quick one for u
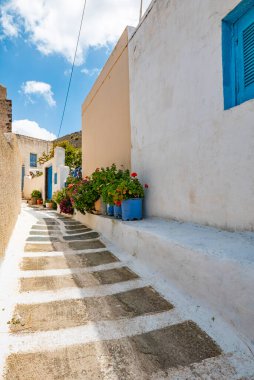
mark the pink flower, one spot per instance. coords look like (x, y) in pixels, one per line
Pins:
(146, 186)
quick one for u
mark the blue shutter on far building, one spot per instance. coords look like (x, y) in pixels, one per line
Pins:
(33, 160)
(244, 55)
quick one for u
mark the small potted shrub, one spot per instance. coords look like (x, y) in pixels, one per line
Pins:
(49, 203)
(115, 176)
(36, 194)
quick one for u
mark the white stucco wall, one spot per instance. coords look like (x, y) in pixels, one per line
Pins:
(29, 145)
(197, 158)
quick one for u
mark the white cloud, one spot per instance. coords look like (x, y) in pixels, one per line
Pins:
(10, 28)
(39, 88)
(52, 25)
(91, 72)
(32, 129)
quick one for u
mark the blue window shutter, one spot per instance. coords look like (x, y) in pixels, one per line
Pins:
(244, 56)
(33, 160)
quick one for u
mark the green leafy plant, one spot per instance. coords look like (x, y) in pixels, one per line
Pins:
(36, 194)
(59, 195)
(108, 192)
(73, 156)
(128, 188)
(105, 181)
(83, 196)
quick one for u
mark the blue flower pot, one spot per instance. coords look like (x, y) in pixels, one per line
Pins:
(132, 209)
(110, 210)
(117, 211)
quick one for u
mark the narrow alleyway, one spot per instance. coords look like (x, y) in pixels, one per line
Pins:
(71, 308)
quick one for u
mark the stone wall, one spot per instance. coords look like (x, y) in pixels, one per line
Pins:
(10, 187)
(5, 111)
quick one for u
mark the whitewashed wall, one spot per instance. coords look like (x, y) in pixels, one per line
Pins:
(58, 166)
(30, 184)
(197, 158)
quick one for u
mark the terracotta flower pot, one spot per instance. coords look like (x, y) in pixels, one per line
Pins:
(49, 205)
(33, 200)
(39, 201)
(100, 207)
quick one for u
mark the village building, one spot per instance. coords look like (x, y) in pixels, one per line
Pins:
(31, 149)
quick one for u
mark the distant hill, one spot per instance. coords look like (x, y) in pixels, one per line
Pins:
(74, 138)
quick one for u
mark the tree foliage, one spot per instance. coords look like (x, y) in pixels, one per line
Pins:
(73, 156)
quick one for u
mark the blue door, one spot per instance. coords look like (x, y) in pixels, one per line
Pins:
(22, 177)
(49, 183)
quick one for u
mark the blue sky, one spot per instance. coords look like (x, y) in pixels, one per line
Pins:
(37, 43)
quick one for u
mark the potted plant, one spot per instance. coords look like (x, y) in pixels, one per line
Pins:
(107, 197)
(115, 176)
(39, 201)
(49, 203)
(130, 193)
(100, 178)
(36, 194)
(118, 210)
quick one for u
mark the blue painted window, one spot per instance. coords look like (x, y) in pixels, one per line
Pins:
(55, 178)
(238, 54)
(33, 160)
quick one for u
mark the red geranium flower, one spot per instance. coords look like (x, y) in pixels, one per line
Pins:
(118, 203)
(134, 174)
(146, 186)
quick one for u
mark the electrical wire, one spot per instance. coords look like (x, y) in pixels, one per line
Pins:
(73, 63)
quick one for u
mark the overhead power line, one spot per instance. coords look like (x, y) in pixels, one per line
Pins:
(72, 68)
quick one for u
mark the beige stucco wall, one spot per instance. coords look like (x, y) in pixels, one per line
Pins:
(197, 158)
(29, 145)
(10, 180)
(106, 114)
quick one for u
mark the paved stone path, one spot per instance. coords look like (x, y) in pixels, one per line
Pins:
(82, 313)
